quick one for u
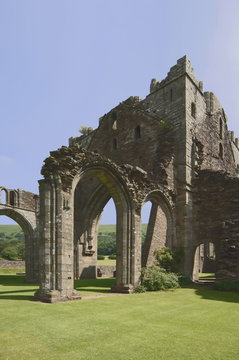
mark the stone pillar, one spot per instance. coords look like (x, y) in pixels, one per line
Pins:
(128, 251)
(56, 243)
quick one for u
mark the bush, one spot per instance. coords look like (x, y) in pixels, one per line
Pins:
(155, 278)
(168, 259)
(112, 257)
(100, 257)
(85, 130)
(164, 257)
(183, 280)
(140, 289)
(227, 286)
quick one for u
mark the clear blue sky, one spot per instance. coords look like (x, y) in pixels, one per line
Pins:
(66, 63)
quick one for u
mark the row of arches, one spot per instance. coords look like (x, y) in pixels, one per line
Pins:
(70, 217)
(8, 197)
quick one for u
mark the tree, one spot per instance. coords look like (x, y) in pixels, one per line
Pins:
(21, 252)
(9, 253)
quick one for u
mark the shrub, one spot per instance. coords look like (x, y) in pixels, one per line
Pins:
(100, 257)
(85, 130)
(183, 280)
(155, 278)
(168, 259)
(164, 257)
(139, 289)
(112, 257)
(227, 286)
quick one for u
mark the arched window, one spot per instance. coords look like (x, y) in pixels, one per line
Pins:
(114, 144)
(193, 109)
(114, 120)
(12, 198)
(220, 128)
(221, 151)
(3, 198)
(137, 132)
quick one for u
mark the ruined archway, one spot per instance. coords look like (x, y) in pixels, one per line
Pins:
(205, 259)
(31, 261)
(160, 231)
(63, 172)
(90, 198)
(110, 185)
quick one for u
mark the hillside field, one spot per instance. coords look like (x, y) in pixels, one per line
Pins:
(8, 229)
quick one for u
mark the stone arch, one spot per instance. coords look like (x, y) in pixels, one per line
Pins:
(63, 170)
(160, 230)
(31, 261)
(13, 198)
(113, 186)
(205, 259)
(86, 224)
(3, 196)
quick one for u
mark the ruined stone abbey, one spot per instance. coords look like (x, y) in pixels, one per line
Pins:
(172, 148)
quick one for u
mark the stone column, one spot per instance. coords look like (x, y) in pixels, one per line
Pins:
(56, 244)
(128, 250)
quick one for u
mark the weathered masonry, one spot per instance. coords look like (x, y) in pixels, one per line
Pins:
(172, 148)
(22, 207)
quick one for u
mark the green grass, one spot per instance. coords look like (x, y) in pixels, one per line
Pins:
(190, 323)
(106, 261)
(11, 271)
(206, 276)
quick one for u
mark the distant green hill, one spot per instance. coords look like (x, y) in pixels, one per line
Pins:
(12, 240)
(8, 229)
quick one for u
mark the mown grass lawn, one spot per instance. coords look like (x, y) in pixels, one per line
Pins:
(191, 323)
(106, 261)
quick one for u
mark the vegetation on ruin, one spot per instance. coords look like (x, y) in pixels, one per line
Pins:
(189, 323)
(168, 259)
(162, 274)
(85, 130)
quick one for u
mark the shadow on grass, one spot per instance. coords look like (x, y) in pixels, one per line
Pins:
(207, 292)
(101, 285)
(16, 281)
(17, 295)
(13, 280)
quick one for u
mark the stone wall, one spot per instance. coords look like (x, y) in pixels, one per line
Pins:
(106, 271)
(216, 209)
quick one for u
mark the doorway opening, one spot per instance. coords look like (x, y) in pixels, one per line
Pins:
(106, 242)
(204, 262)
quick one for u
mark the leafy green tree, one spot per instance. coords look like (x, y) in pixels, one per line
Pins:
(9, 253)
(21, 251)
(106, 244)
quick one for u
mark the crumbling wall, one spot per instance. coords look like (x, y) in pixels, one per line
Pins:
(216, 209)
